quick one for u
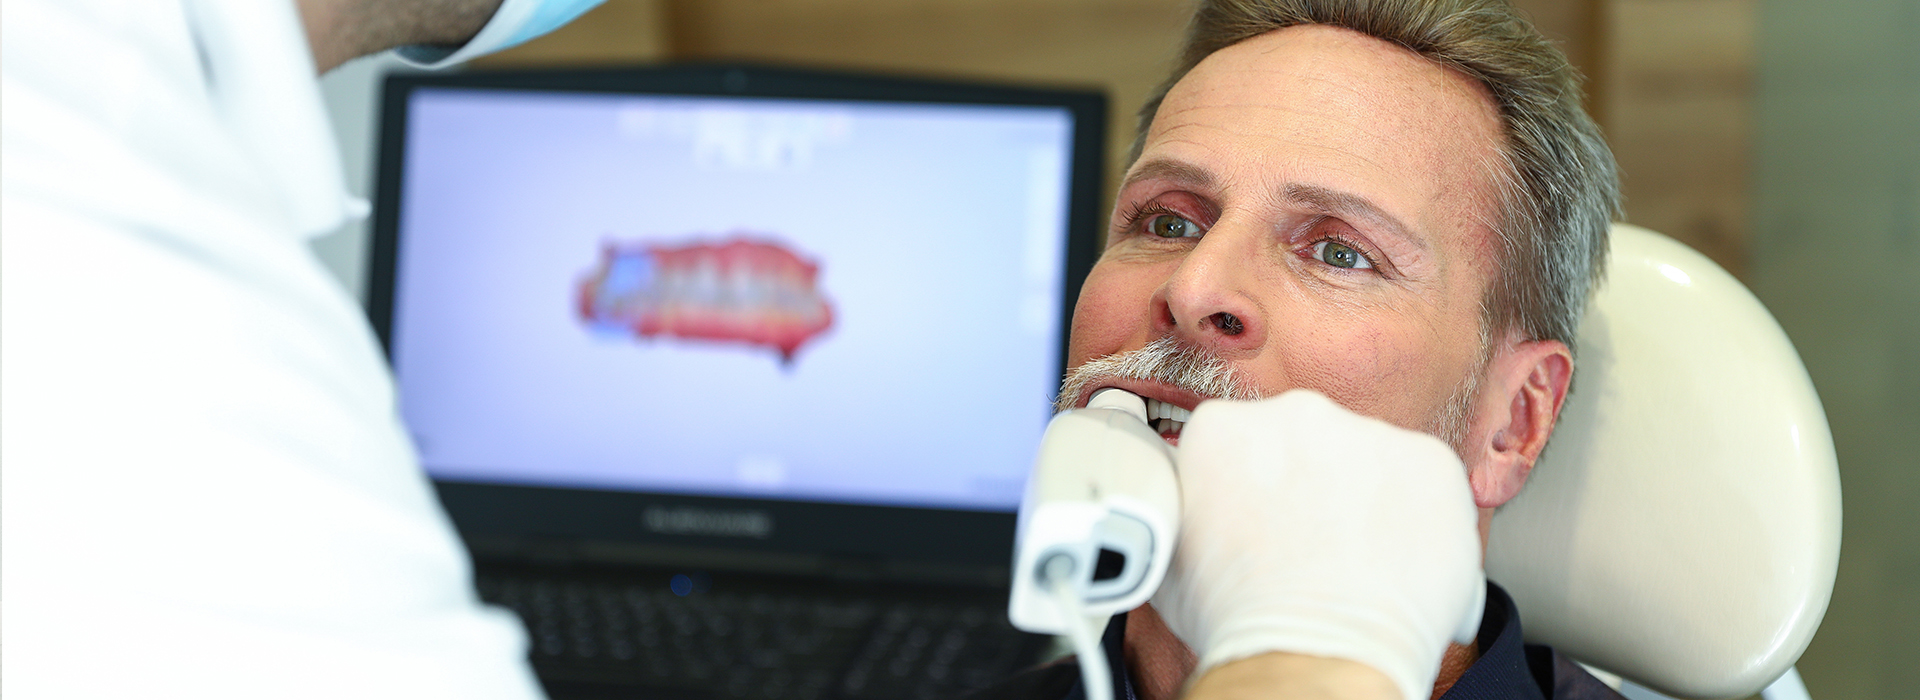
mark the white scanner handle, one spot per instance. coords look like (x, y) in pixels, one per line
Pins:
(1103, 494)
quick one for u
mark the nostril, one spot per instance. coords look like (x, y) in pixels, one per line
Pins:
(1227, 323)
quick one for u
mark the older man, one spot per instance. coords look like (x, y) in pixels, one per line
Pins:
(1398, 204)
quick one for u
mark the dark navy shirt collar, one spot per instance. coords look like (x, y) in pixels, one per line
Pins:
(1502, 671)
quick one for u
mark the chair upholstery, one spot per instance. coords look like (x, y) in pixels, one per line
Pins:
(1683, 528)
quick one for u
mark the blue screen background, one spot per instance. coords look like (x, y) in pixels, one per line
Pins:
(940, 232)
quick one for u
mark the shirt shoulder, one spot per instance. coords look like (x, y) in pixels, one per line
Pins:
(1566, 680)
(1511, 669)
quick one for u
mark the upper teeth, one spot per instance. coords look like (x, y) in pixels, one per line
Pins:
(1165, 417)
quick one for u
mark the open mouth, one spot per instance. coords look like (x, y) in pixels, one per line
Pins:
(1167, 419)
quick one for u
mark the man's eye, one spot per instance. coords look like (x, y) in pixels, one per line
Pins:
(1170, 226)
(1340, 255)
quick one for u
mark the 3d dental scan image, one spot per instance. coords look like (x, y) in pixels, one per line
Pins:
(740, 290)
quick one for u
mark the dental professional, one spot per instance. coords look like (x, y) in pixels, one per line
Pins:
(208, 492)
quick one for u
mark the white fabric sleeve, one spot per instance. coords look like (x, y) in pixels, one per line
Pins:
(208, 492)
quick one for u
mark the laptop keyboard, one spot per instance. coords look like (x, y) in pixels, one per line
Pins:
(612, 634)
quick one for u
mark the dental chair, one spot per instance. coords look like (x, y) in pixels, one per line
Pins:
(1683, 527)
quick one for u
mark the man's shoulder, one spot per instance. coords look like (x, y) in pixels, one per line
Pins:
(1508, 667)
(1503, 648)
(1563, 679)
(1560, 679)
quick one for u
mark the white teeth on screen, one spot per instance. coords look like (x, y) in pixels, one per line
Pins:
(1179, 415)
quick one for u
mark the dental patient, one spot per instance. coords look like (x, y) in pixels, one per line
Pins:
(1399, 205)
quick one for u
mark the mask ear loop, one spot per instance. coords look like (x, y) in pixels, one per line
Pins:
(516, 22)
(1095, 675)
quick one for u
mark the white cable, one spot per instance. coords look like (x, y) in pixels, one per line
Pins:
(1094, 674)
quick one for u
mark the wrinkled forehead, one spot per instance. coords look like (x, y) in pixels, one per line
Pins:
(1335, 108)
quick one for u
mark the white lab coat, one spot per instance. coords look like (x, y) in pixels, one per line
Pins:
(207, 490)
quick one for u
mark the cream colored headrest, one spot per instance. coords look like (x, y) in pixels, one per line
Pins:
(1683, 527)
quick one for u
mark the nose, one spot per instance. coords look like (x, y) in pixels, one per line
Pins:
(1208, 300)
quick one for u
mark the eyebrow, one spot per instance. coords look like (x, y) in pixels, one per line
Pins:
(1163, 169)
(1326, 200)
(1348, 205)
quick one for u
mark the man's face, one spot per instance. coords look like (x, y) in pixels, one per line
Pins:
(1313, 208)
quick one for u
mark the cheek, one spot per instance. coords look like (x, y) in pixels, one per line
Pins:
(1114, 312)
(1396, 372)
(1342, 361)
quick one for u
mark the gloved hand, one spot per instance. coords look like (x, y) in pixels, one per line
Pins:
(1309, 529)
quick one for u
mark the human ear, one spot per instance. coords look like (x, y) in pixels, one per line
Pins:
(1525, 384)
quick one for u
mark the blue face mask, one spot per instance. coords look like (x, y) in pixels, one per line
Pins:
(515, 23)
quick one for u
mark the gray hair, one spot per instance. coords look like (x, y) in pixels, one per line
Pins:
(1558, 187)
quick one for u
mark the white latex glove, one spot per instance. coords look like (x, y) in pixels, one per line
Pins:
(1309, 529)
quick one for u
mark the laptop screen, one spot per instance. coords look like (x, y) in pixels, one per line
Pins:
(835, 301)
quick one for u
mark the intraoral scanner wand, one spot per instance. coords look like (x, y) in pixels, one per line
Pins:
(1096, 528)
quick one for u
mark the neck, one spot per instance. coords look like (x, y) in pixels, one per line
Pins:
(342, 30)
(1453, 665)
(324, 33)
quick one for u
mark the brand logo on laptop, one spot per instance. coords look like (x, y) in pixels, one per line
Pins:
(687, 520)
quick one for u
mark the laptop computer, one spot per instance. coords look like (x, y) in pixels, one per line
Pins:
(730, 377)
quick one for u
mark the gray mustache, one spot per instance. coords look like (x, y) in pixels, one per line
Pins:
(1164, 360)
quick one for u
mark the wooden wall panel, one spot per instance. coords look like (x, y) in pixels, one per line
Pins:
(1678, 81)
(1573, 24)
